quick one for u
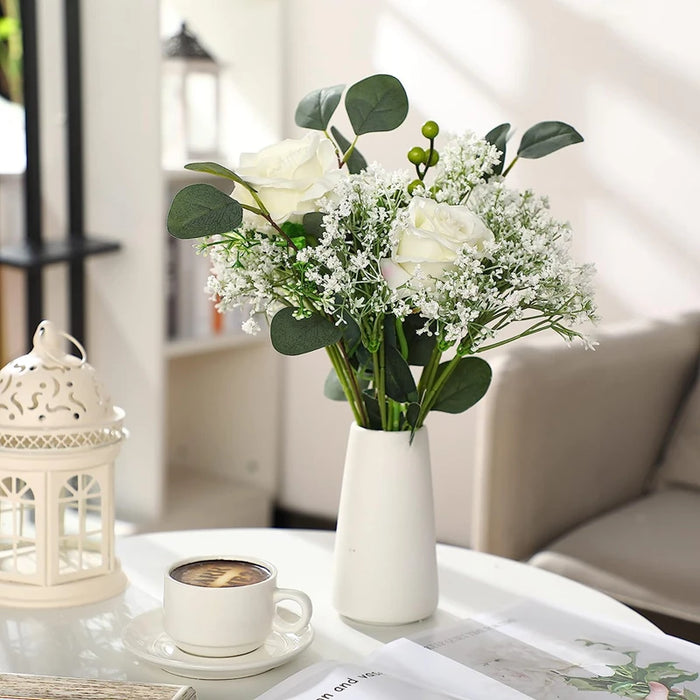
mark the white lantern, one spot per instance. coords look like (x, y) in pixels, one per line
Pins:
(190, 100)
(59, 438)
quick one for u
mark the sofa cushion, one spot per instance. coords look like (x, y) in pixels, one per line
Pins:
(646, 554)
(681, 462)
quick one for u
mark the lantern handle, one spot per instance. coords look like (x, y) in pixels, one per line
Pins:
(46, 327)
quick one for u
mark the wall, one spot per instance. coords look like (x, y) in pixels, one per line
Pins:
(625, 74)
(124, 201)
(249, 69)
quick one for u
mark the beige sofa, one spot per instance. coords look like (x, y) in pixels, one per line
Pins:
(589, 463)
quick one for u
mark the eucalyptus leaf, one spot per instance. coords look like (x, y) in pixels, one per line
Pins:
(352, 335)
(545, 138)
(316, 109)
(293, 336)
(420, 346)
(498, 136)
(313, 225)
(466, 385)
(390, 331)
(377, 103)
(356, 162)
(412, 412)
(332, 388)
(202, 210)
(400, 384)
(213, 169)
(372, 406)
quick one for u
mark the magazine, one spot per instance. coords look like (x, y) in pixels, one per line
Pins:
(528, 650)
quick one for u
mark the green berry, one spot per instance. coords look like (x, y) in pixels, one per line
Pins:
(412, 186)
(434, 158)
(430, 130)
(416, 155)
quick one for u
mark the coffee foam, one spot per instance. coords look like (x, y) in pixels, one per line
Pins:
(220, 573)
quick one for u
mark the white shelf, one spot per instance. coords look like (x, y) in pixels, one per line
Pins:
(187, 347)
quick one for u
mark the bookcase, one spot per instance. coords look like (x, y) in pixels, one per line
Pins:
(222, 419)
(202, 411)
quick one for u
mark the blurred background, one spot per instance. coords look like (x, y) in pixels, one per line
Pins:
(223, 431)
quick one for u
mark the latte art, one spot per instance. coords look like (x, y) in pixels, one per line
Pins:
(220, 573)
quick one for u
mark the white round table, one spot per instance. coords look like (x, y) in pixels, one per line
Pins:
(86, 641)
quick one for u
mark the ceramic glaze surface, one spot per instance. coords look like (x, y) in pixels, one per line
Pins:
(385, 564)
(49, 389)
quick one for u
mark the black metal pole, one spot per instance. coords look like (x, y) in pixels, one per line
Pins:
(32, 176)
(76, 223)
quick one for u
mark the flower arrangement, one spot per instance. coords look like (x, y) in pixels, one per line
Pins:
(389, 270)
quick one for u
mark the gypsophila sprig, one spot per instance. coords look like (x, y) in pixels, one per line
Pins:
(390, 270)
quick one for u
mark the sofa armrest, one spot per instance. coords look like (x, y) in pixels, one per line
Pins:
(567, 433)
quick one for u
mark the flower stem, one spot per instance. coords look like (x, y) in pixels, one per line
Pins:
(433, 392)
(355, 387)
(512, 163)
(541, 326)
(428, 374)
(348, 153)
(337, 362)
(379, 386)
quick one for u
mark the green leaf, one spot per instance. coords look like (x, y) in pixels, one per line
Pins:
(400, 384)
(588, 683)
(545, 138)
(412, 413)
(467, 384)
(372, 406)
(202, 210)
(292, 336)
(356, 162)
(295, 232)
(667, 671)
(390, 330)
(293, 229)
(377, 103)
(332, 388)
(352, 335)
(420, 347)
(313, 225)
(498, 136)
(8, 27)
(316, 109)
(213, 169)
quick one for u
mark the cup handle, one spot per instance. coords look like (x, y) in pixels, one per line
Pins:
(304, 603)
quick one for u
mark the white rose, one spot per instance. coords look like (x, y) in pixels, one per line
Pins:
(434, 236)
(290, 176)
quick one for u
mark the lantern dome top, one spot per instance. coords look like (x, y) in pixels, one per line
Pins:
(54, 394)
(185, 44)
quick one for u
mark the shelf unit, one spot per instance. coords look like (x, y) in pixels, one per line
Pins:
(218, 473)
(186, 347)
(202, 413)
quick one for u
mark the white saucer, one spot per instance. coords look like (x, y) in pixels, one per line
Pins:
(144, 636)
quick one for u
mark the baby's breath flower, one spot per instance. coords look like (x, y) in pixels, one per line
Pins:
(465, 162)
(522, 273)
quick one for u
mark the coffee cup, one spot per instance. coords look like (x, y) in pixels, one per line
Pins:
(226, 605)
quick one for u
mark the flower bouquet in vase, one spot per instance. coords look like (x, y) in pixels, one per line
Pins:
(403, 276)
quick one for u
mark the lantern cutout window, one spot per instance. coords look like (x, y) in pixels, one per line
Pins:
(191, 96)
(59, 437)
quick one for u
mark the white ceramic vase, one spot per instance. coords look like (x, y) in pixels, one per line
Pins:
(385, 565)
